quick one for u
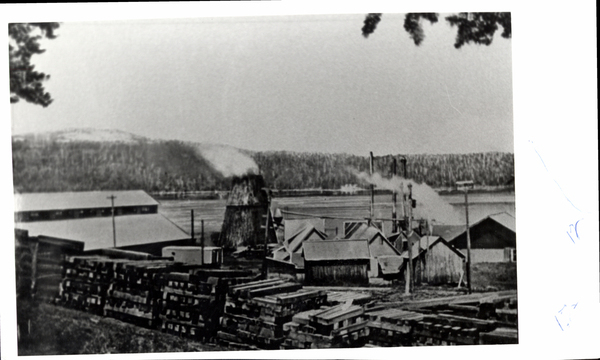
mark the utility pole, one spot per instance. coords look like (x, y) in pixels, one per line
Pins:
(465, 185)
(403, 161)
(409, 236)
(202, 239)
(192, 221)
(267, 226)
(112, 211)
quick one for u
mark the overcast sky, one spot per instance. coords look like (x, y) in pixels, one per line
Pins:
(300, 83)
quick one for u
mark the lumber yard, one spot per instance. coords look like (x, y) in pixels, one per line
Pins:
(240, 311)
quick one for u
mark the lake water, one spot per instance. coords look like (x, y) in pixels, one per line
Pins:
(444, 209)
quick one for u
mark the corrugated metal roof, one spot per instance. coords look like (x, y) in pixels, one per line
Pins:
(97, 233)
(336, 250)
(81, 200)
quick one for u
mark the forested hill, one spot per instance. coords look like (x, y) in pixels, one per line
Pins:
(78, 165)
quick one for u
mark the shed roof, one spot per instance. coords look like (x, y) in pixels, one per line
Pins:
(448, 232)
(294, 244)
(451, 232)
(291, 227)
(390, 264)
(96, 233)
(81, 200)
(421, 247)
(505, 219)
(362, 231)
(369, 232)
(336, 250)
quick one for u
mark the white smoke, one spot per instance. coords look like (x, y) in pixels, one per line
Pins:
(228, 160)
(430, 204)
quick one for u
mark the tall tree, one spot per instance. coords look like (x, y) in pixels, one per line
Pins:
(25, 82)
(476, 28)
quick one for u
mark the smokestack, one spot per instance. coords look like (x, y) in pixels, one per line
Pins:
(394, 223)
(372, 210)
(246, 205)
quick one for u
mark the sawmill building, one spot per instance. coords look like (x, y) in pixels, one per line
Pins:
(87, 217)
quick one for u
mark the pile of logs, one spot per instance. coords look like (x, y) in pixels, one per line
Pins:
(329, 327)
(256, 312)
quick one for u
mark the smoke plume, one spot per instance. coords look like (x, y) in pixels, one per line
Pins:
(228, 160)
(430, 205)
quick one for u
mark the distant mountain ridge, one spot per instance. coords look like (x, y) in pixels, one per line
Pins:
(88, 159)
(83, 134)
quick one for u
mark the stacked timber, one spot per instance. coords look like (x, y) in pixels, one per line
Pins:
(329, 327)
(86, 281)
(39, 264)
(134, 294)
(392, 327)
(190, 307)
(445, 329)
(256, 312)
(342, 297)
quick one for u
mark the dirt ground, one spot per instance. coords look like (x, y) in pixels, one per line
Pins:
(53, 330)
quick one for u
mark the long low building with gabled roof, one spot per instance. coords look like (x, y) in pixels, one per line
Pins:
(87, 217)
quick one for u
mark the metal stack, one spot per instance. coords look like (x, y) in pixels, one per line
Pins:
(255, 312)
(331, 327)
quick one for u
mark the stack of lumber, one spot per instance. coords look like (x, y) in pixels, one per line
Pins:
(86, 281)
(39, 265)
(342, 297)
(190, 308)
(392, 327)
(255, 312)
(329, 327)
(134, 293)
(446, 329)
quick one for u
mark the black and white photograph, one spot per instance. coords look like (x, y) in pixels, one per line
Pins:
(266, 182)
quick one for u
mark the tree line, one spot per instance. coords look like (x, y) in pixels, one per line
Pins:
(174, 166)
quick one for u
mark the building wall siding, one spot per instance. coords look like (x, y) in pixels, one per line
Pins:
(486, 255)
(441, 266)
(337, 273)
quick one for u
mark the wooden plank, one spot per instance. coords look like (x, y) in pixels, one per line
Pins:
(337, 314)
(255, 285)
(275, 289)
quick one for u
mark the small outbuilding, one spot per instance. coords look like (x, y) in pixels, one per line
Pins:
(436, 261)
(336, 262)
(379, 247)
(291, 251)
